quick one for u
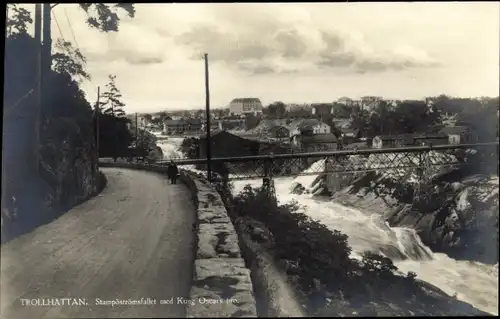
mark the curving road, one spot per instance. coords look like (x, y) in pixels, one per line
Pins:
(132, 241)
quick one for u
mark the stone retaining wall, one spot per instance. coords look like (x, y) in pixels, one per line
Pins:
(275, 297)
(222, 285)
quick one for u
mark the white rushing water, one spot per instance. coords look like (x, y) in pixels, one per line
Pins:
(472, 282)
(170, 147)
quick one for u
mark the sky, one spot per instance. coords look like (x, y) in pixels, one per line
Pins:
(295, 53)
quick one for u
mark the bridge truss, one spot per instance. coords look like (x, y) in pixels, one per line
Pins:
(422, 161)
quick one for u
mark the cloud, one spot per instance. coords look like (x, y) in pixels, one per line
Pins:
(331, 49)
(343, 50)
(132, 44)
(221, 46)
(290, 45)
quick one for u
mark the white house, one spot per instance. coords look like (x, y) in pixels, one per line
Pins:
(345, 100)
(313, 126)
(244, 106)
(459, 135)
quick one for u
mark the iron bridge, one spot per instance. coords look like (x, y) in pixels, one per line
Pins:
(425, 160)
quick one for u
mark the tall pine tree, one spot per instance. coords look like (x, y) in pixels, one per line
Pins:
(113, 103)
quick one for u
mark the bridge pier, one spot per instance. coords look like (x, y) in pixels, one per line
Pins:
(267, 180)
(423, 178)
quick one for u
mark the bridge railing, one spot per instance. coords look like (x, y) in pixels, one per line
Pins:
(421, 159)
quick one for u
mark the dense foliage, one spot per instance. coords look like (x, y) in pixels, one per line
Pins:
(318, 264)
(50, 153)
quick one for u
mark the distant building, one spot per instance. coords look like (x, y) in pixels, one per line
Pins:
(309, 127)
(408, 140)
(388, 141)
(459, 135)
(430, 139)
(244, 106)
(346, 101)
(314, 143)
(225, 144)
(350, 135)
(182, 126)
(279, 132)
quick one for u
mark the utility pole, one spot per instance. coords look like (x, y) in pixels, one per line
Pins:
(38, 82)
(136, 132)
(46, 55)
(97, 111)
(208, 139)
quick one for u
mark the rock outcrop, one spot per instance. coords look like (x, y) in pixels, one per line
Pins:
(458, 218)
(67, 175)
(459, 215)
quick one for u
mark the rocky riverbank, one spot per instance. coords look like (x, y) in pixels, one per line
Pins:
(460, 218)
(301, 266)
(456, 214)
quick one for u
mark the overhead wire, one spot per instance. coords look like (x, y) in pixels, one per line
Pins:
(62, 35)
(71, 29)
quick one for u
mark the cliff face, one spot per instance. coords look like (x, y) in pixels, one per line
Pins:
(67, 175)
(453, 214)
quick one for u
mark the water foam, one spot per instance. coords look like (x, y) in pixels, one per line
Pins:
(471, 282)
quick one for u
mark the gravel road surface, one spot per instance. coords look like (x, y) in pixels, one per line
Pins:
(132, 241)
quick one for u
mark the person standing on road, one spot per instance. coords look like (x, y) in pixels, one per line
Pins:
(172, 172)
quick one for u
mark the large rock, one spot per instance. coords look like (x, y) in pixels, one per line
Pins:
(460, 219)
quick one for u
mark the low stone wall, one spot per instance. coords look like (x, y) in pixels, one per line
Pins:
(222, 285)
(275, 297)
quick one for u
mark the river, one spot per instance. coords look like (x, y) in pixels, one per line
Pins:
(472, 282)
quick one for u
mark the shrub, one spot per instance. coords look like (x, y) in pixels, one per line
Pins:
(316, 259)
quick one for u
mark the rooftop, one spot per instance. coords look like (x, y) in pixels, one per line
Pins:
(454, 130)
(319, 138)
(246, 100)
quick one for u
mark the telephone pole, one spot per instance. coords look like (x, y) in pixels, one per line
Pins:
(136, 132)
(97, 111)
(38, 82)
(208, 139)
(46, 57)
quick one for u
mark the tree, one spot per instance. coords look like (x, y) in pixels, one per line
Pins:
(360, 120)
(276, 109)
(114, 136)
(104, 17)
(18, 22)
(481, 117)
(341, 111)
(382, 121)
(113, 99)
(413, 116)
(163, 116)
(251, 121)
(73, 63)
(299, 113)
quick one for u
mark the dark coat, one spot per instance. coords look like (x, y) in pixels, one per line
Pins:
(172, 170)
